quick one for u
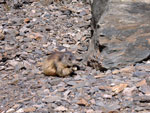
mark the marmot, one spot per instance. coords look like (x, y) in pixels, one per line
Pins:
(59, 64)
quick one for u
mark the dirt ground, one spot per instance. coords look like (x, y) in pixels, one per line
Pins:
(28, 34)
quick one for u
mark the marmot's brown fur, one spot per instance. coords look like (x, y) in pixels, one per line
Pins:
(59, 64)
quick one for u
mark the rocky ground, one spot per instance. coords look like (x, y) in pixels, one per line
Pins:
(28, 34)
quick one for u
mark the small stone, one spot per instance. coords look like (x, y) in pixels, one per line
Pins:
(61, 108)
(24, 30)
(82, 102)
(1, 56)
(145, 67)
(119, 88)
(100, 75)
(55, 81)
(66, 93)
(148, 62)
(2, 36)
(49, 99)
(46, 91)
(108, 72)
(13, 82)
(145, 89)
(11, 110)
(107, 96)
(27, 64)
(116, 71)
(72, 83)
(113, 111)
(16, 106)
(128, 69)
(141, 83)
(66, 45)
(92, 101)
(67, 12)
(20, 110)
(11, 32)
(29, 109)
(20, 38)
(33, 11)
(26, 20)
(90, 111)
(46, 15)
(129, 91)
(83, 13)
(104, 87)
(139, 74)
(36, 36)
(13, 62)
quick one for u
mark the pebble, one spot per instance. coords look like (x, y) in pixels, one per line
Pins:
(61, 108)
(20, 110)
(10, 110)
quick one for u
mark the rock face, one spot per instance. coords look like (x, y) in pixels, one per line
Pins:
(126, 33)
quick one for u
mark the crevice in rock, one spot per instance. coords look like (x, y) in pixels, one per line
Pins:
(101, 47)
(96, 65)
(4, 59)
(145, 59)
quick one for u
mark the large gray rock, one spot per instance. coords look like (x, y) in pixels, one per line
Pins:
(126, 30)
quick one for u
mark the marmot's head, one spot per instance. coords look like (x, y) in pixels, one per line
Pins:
(68, 58)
